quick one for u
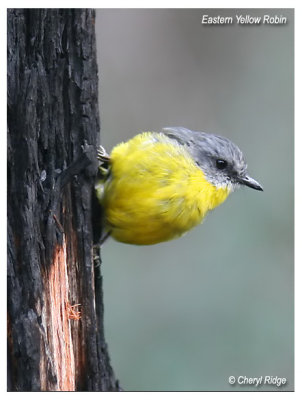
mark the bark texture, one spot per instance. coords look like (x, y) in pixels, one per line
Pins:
(55, 310)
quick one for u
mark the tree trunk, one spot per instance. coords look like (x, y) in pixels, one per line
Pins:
(55, 309)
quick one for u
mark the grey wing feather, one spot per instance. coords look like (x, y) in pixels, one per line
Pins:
(182, 135)
(191, 140)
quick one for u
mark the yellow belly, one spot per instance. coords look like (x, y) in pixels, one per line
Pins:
(155, 191)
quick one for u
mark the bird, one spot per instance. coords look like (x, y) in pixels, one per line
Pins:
(159, 185)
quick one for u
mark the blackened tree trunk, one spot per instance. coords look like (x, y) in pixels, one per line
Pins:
(55, 312)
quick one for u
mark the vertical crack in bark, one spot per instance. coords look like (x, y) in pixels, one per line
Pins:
(60, 333)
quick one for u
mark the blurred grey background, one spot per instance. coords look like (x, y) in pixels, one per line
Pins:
(187, 314)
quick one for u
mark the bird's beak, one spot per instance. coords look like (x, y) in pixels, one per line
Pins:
(250, 182)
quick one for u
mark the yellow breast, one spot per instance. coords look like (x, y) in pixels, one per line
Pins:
(155, 191)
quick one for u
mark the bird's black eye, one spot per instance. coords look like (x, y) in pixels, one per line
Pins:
(221, 164)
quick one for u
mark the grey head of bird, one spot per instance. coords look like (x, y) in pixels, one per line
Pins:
(221, 161)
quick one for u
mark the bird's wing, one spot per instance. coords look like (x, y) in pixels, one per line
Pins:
(183, 135)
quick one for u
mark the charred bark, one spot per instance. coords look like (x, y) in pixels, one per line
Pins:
(55, 310)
